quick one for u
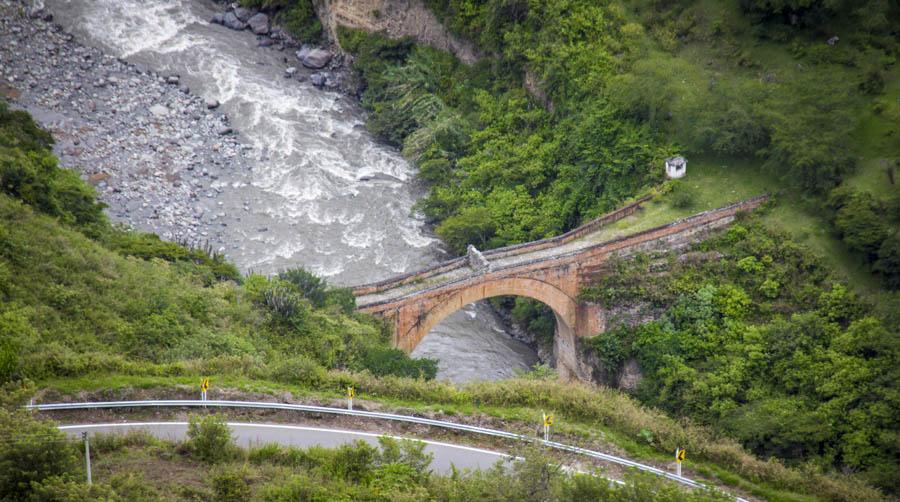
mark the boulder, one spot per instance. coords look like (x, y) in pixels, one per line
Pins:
(218, 18)
(243, 14)
(259, 24)
(316, 59)
(231, 21)
(318, 79)
(173, 80)
(159, 110)
(212, 104)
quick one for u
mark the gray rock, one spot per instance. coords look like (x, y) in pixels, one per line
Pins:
(316, 59)
(232, 21)
(212, 104)
(159, 110)
(173, 79)
(37, 12)
(224, 130)
(218, 18)
(259, 24)
(318, 79)
(304, 50)
(476, 260)
(243, 14)
(289, 72)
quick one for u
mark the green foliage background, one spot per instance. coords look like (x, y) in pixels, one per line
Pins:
(756, 339)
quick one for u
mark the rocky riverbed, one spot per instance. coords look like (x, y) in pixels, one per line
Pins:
(152, 150)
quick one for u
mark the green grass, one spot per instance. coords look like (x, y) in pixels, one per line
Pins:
(878, 140)
(717, 182)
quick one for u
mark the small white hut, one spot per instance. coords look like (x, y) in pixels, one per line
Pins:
(676, 167)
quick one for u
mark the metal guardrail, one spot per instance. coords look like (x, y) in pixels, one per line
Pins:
(375, 415)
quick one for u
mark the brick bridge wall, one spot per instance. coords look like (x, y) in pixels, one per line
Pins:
(555, 281)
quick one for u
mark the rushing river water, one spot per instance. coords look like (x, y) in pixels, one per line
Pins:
(322, 193)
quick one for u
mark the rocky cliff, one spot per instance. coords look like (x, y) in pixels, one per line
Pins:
(395, 18)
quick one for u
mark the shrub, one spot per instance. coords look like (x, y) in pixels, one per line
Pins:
(32, 452)
(888, 262)
(312, 287)
(209, 439)
(67, 489)
(300, 370)
(301, 22)
(682, 197)
(134, 488)
(230, 485)
(389, 361)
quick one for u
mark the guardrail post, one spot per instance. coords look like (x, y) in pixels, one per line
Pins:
(87, 456)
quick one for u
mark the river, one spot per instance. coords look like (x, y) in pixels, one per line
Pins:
(320, 192)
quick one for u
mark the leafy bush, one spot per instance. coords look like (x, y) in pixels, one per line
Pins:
(67, 489)
(388, 361)
(298, 17)
(209, 439)
(682, 196)
(34, 452)
(299, 370)
(230, 485)
(870, 226)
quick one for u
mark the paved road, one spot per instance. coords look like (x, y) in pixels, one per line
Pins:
(445, 455)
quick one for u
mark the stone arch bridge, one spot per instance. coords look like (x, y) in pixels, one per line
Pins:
(551, 271)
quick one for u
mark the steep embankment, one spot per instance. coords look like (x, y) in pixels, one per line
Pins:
(396, 19)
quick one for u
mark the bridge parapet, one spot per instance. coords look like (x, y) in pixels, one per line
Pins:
(674, 234)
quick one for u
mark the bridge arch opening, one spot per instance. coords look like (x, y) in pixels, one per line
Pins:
(565, 310)
(564, 307)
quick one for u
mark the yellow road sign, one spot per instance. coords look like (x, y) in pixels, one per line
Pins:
(548, 420)
(680, 455)
(204, 385)
(351, 392)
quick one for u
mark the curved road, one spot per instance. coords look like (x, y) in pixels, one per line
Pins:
(445, 454)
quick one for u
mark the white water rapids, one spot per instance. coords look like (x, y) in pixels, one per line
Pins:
(322, 193)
